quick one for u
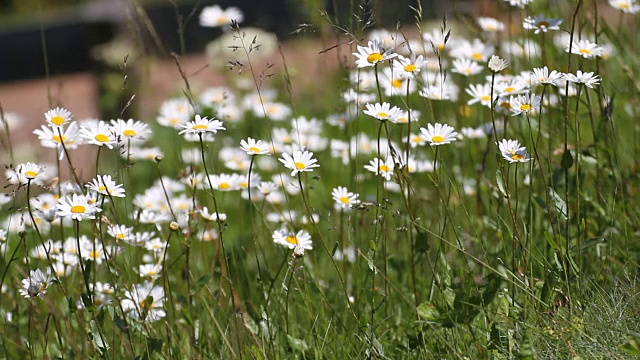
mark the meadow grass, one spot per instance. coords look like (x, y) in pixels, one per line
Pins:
(469, 201)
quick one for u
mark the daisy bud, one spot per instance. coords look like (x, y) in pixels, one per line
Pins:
(496, 64)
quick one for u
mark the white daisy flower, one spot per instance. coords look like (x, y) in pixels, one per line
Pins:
(382, 168)
(292, 240)
(541, 23)
(98, 134)
(299, 162)
(58, 117)
(103, 184)
(215, 16)
(585, 48)
(36, 283)
(372, 54)
(524, 104)
(382, 111)
(512, 151)
(439, 134)
(77, 207)
(202, 125)
(253, 147)
(343, 197)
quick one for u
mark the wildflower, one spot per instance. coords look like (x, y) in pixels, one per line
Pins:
(627, 6)
(490, 24)
(382, 111)
(51, 139)
(36, 284)
(225, 182)
(439, 134)
(542, 76)
(150, 271)
(541, 24)
(512, 151)
(466, 67)
(585, 48)
(98, 134)
(212, 216)
(343, 197)
(437, 38)
(299, 162)
(202, 125)
(58, 117)
(121, 232)
(496, 64)
(272, 110)
(77, 207)
(215, 16)
(253, 147)
(519, 3)
(403, 117)
(290, 240)
(145, 302)
(382, 168)
(103, 184)
(476, 50)
(586, 78)
(372, 54)
(130, 129)
(28, 172)
(524, 104)
(409, 67)
(479, 93)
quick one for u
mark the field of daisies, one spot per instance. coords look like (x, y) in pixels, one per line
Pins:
(468, 191)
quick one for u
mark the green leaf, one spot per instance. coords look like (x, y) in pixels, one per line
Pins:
(429, 312)
(551, 242)
(586, 244)
(297, 344)
(631, 347)
(548, 289)
(559, 204)
(202, 281)
(500, 182)
(526, 348)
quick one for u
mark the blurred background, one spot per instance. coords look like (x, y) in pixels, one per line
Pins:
(93, 56)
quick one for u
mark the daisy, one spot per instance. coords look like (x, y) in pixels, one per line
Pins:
(103, 184)
(409, 67)
(585, 48)
(476, 50)
(542, 76)
(150, 271)
(382, 111)
(55, 139)
(28, 172)
(512, 151)
(225, 182)
(343, 197)
(490, 24)
(519, 3)
(466, 67)
(290, 240)
(36, 283)
(253, 147)
(212, 216)
(299, 162)
(382, 168)
(58, 117)
(479, 93)
(496, 64)
(77, 207)
(130, 129)
(215, 16)
(98, 134)
(121, 232)
(541, 24)
(145, 302)
(403, 117)
(627, 6)
(437, 38)
(202, 125)
(439, 134)
(524, 104)
(272, 110)
(372, 54)
(586, 78)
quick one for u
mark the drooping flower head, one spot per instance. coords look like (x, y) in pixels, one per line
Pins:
(512, 151)
(541, 23)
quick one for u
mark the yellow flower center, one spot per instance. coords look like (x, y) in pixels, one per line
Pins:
(57, 120)
(299, 165)
(517, 157)
(151, 273)
(145, 306)
(222, 20)
(173, 121)
(485, 98)
(129, 133)
(254, 149)
(410, 68)
(374, 58)
(624, 6)
(30, 174)
(383, 168)
(224, 186)
(200, 127)
(120, 236)
(585, 51)
(102, 188)
(416, 139)
(505, 105)
(396, 83)
(94, 254)
(58, 139)
(344, 200)
(476, 56)
(383, 115)
(525, 107)
(441, 46)
(437, 139)
(509, 89)
(543, 24)
(291, 239)
(97, 301)
(102, 138)
(78, 209)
